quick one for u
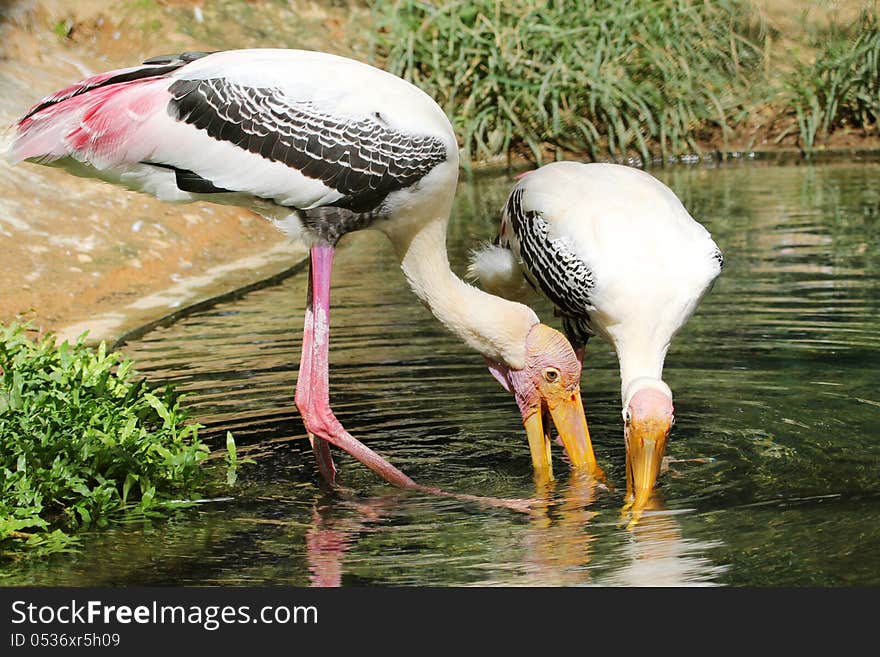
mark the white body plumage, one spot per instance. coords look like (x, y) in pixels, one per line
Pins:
(649, 263)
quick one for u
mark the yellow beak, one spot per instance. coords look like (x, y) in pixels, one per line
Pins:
(539, 446)
(645, 446)
(567, 414)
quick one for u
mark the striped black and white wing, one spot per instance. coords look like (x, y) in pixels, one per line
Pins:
(319, 130)
(551, 265)
(362, 160)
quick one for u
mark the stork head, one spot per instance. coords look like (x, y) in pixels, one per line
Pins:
(648, 418)
(547, 389)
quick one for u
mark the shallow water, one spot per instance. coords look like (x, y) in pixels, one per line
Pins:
(777, 387)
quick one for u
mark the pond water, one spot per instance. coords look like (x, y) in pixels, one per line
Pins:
(776, 479)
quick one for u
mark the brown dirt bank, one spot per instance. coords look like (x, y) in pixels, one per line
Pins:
(81, 255)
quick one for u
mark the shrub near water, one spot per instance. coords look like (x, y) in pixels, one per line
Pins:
(590, 76)
(81, 440)
(841, 88)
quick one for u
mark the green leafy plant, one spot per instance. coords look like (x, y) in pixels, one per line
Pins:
(231, 460)
(594, 76)
(841, 88)
(84, 440)
(63, 28)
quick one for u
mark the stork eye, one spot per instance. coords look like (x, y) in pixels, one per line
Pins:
(627, 417)
(551, 375)
(672, 423)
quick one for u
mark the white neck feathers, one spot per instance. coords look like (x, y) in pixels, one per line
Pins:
(495, 327)
(641, 365)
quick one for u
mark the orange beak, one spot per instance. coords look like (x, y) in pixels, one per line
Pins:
(567, 413)
(645, 446)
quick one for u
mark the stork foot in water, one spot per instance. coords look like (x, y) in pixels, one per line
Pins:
(313, 396)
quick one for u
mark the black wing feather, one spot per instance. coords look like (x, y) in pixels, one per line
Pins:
(364, 160)
(552, 266)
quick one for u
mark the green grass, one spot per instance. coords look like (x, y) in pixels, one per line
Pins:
(614, 77)
(84, 441)
(841, 88)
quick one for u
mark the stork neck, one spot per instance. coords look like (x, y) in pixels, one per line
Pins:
(495, 327)
(640, 359)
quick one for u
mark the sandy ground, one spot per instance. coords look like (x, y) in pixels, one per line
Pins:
(82, 255)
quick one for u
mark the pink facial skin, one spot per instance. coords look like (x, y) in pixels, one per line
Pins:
(544, 350)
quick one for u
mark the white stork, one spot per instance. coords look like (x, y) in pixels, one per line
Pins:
(616, 252)
(322, 146)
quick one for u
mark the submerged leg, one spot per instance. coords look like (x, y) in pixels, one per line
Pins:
(313, 383)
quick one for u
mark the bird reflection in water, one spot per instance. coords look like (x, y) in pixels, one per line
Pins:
(559, 547)
(656, 554)
(555, 546)
(329, 537)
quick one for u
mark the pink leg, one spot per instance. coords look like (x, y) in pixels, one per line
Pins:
(303, 389)
(313, 383)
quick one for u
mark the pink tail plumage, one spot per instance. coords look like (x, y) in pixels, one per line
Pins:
(93, 120)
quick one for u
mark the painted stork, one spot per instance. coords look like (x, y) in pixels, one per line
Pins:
(321, 145)
(616, 252)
